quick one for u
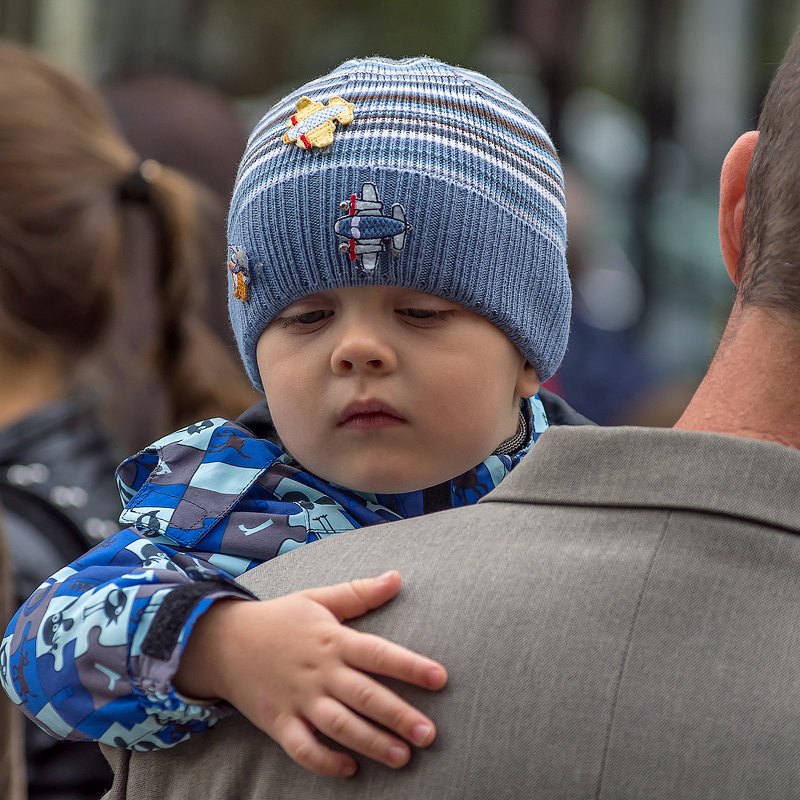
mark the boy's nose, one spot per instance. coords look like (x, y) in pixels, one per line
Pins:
(361, 349)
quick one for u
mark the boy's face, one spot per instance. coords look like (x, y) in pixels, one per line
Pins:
(388, 390)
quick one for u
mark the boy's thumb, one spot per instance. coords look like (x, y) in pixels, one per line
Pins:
(354, 598)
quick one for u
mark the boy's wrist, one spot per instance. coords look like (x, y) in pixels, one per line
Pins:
(199, 677)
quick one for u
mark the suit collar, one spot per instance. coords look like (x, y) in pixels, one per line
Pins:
(659, 468)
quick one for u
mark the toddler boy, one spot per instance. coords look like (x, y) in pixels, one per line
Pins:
(398, 289)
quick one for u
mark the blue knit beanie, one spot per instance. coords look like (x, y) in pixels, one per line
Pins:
(405, 173)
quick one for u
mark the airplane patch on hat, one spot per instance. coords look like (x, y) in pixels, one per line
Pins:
(239, 268)
(368, 230)
(315, 123)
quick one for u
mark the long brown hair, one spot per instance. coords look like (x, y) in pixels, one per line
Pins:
(67, 234)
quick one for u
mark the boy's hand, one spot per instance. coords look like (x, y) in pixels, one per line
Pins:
(291, 667)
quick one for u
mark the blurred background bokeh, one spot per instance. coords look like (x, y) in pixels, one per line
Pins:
(642, 97)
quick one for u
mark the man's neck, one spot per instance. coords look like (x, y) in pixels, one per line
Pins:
(752, 388)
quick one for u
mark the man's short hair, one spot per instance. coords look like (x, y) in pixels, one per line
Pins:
(769, 264)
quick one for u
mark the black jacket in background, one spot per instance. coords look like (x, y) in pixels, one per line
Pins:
(60, 499)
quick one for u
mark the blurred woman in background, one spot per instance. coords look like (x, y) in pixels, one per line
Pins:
(102, 344)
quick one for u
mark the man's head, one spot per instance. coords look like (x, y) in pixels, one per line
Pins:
(412, 174)
(750, 388)
(765, 261)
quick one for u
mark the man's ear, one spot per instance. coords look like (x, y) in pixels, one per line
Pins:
(528, 382)
(731, 199)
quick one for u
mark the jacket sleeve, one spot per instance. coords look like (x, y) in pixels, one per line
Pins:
(92, 653)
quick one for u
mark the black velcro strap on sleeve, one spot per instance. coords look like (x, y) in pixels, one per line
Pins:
(173, 613)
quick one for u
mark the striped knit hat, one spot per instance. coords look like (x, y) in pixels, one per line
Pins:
(405, 173)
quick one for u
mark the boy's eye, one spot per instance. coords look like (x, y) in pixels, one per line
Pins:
(307, 318)
(420, 313)
(423, 314)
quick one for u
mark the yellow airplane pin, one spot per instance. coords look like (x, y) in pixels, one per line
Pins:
(314, 123)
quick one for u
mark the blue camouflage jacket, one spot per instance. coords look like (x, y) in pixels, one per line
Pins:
(92, 653)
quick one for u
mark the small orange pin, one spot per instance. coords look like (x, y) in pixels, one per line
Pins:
(240, 272)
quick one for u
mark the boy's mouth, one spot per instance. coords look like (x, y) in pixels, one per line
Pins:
(367, 414)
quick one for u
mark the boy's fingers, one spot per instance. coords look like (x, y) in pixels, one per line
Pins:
(348, 729)
(371, 653)
(376, 702)
(354, 598)
(300, 744)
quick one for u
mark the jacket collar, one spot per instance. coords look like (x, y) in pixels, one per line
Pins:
(185, 483)
(660, 468)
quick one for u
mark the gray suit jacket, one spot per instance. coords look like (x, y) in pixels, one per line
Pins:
(620, 619)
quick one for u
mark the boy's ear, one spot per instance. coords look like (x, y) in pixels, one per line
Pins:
(731, 199)
(528, 382)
